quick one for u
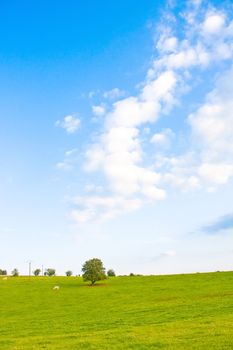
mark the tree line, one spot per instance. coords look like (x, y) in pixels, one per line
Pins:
(93, 270)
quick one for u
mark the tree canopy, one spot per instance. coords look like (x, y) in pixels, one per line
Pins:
(111, 273)
(37, 272)
(69, 273)
(93, 270)
(15, 272)
(50, 272)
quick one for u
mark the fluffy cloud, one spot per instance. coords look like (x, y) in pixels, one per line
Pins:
(98, 110)
(163, 138)
(69, 123)
(213, 23)
(119, 151)
(217, 173)
(212, 126)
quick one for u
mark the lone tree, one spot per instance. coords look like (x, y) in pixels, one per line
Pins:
(15, 273)
(93, 270)
(37, 272)
(111, 273)
(50, 272)
(69, 273)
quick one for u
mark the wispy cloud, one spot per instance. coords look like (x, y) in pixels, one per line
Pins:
(69, 159)
(114, 94)
(101, 208)
(165, 254)
(221, 224)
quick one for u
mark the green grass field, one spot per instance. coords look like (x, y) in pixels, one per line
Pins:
(152, 312)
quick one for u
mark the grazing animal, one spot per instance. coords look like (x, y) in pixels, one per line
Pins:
(4, 278)
(56, 288)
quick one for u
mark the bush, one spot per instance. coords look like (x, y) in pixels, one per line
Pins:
(37, 272)
(69, 273)
(3, 272)
(111, 273)
(15, 273)
(50, 272)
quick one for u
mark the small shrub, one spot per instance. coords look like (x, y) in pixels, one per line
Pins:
(37, 272)
(15, 273)
(69, 273)
(111, 273)
(50, 272)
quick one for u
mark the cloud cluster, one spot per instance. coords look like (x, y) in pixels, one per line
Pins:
(200, 37)
(212, 126)
(119, 153)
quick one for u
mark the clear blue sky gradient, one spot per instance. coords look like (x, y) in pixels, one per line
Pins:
(52, 55)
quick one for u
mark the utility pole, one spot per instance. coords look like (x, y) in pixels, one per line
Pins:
(30, 268)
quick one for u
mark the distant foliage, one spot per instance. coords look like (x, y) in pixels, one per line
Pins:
(93, 270)
(131, 274)
(15, 272)
(37, 272)
(111, 273)
(69, 273)
(50, 272)
(3, 272)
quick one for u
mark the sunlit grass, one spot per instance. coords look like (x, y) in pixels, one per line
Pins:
(151, 312)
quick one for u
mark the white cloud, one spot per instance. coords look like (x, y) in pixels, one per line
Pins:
(102, 208)
(69, 160)
(212, 126)
(170, 253)
(170, 44)
(213, 23)
(64, 166)
(98, 110)
(118, 152)
(113, 94)
(209, 158)
(69, 123)
(163, 138)
(216, 173)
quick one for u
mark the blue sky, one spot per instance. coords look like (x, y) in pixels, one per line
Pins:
(116, 137)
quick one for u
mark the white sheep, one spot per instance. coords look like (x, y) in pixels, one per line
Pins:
(4, 278)
(56, 288)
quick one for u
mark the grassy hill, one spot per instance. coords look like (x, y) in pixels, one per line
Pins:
(151, 312)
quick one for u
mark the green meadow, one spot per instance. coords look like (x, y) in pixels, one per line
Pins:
(193, 311)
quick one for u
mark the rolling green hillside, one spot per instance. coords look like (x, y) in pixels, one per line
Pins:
(151, 312)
